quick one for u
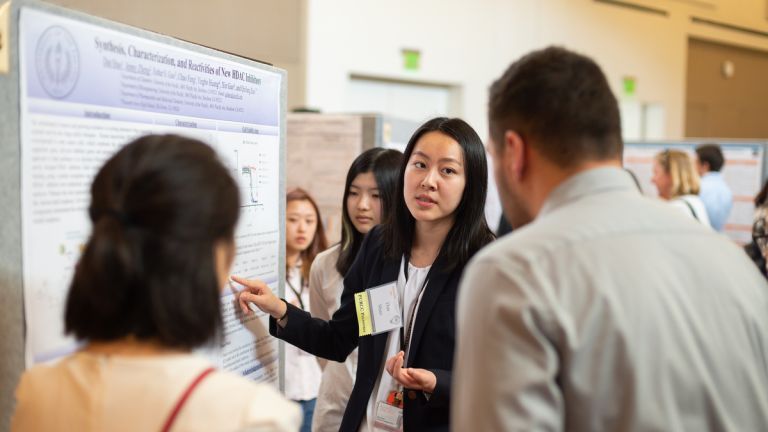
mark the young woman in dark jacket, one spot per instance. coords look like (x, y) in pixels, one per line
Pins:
(403, 378)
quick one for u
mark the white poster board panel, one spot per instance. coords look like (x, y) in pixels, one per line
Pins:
(85, 91)
(742, 172)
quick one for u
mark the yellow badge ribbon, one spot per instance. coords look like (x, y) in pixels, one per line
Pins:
(363, 309)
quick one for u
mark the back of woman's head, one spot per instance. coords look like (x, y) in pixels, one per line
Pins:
(385, 166)
(470, 231)
(159, 207)
(679, 166)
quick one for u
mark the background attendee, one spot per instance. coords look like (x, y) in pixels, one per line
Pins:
(369, 196)
(604, 310)
(757, 249)
(437, 225)
(304, 239)
(145, 293)
(715, 193)
(677, 182)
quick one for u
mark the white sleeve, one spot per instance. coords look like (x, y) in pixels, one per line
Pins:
(506, 365)
(318, 307)
(681, 206)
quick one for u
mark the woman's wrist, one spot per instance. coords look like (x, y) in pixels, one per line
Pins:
(430, 385)
(282, 310)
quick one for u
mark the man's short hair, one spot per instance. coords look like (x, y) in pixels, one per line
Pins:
(562, 102)
(712, 155)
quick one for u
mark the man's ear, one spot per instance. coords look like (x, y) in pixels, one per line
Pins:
(515, 153)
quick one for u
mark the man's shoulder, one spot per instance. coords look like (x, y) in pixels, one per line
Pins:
(714, 180)
(590, 223)
(519, 245)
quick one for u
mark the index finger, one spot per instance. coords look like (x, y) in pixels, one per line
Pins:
(232, 287)
(249, 283)
(404, 379)
(390, 365)
(241, 300)
(398, 362)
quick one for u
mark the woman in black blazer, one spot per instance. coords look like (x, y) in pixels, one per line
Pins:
(437, 225)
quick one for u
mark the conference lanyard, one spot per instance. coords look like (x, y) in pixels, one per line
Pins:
(298, 293)
(405, 338)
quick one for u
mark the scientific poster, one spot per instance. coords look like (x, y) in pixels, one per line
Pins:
(86, 91)
(742, 172)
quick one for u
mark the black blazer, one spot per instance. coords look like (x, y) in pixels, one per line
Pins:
(434, 332)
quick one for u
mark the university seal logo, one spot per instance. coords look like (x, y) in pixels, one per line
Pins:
(58, 62)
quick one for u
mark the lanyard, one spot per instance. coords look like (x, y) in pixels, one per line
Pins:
(298, 293)
(405, 338)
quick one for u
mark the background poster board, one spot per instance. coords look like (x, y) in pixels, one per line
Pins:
(321, 147)
(84, 87)
(743, 172)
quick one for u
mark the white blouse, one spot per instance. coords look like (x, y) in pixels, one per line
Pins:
(692, 206)
(409, 291)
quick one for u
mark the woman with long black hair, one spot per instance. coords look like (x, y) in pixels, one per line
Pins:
(419, 255)
(369, 196)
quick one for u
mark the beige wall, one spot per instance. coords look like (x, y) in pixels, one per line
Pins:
(470, 43)
(269, 31)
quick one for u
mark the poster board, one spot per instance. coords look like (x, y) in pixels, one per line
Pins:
(743, 172)
(80, 88)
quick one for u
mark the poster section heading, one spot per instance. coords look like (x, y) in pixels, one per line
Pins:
(86, 64)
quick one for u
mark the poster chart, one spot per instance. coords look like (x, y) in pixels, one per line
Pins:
(742, 172)
(86, 90)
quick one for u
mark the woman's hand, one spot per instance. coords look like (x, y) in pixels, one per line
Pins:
(258, 293)
(411, 378)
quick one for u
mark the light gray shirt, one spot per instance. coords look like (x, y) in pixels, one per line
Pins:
(611, 312)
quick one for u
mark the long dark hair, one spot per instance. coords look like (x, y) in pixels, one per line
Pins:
(762, 196)
(385, 165)
(470, 230)
(158, 208)
(319, 241)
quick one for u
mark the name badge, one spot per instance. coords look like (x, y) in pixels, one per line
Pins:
(388, 418)
(378, 310)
